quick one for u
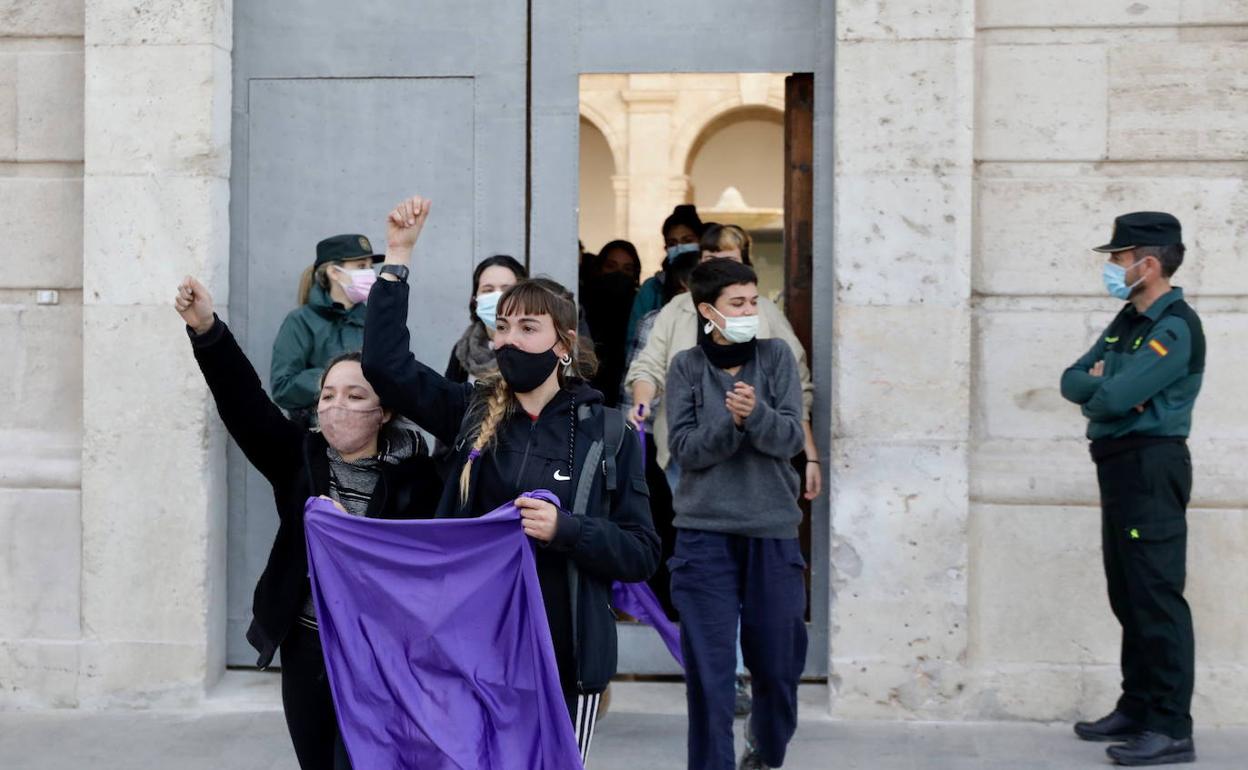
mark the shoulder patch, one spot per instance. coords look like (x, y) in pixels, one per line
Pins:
(1158, 348)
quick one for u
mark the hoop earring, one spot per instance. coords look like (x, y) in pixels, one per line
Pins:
(566, 360)
(708, 328)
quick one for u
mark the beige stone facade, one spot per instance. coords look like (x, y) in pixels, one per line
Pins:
(980, 148)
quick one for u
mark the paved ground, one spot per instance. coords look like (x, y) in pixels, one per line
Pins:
(244, 731)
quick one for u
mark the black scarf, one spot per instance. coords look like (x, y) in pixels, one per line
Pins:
(725, 356)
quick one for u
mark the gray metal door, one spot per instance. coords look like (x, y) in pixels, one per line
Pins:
(340, 110)
(571, 37)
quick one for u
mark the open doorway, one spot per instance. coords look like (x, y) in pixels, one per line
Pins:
(738, 147)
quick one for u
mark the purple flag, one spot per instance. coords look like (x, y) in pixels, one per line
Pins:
(436, 642)
(638, 600)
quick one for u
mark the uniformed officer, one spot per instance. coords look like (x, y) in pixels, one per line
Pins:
(1137, 386)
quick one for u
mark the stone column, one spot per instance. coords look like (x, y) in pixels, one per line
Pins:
(156, 196)
(650, 101)
(619, 185)
(901, 360)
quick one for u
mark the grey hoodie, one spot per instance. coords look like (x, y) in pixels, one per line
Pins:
(734, 480)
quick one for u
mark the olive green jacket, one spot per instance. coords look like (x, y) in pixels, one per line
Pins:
(309, 338)
(1154, 360)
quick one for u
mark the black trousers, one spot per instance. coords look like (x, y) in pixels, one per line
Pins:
(309, 707)
(1144, 497)
(717, 580)
(661, 514)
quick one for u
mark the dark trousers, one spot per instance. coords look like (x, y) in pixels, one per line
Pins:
(717, 580)
(308, 704)
(662, 514)
(1144, 496)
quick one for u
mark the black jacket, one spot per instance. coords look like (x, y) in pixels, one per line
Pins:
(296, 463)
(614, 540)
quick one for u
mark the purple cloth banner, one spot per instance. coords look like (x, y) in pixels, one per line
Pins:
(639, 601)
(436, 642)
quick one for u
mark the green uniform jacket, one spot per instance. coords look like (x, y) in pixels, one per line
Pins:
(1155, 358)
(311, 337)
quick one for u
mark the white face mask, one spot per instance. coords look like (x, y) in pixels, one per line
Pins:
(737, 329)
(487, 308)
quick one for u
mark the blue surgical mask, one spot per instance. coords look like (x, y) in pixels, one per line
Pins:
(681, 248)
(738, 329)
(487, 308)
(1115, 278)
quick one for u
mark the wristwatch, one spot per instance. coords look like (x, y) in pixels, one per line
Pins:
(398, 271)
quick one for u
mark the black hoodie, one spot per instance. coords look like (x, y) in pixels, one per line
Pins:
(296, 463)
(614, 540)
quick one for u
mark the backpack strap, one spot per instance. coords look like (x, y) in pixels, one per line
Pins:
(613, 429)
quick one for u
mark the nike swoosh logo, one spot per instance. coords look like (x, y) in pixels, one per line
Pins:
(561, 477)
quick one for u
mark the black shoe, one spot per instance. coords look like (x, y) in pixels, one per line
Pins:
(745, 703)
(1117, 726)
(751, 760)
(1149, 748)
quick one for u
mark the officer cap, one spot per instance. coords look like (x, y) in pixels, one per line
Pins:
(1143, 228)
(342, 247)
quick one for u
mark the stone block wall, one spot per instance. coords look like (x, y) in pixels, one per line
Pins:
(1085, 111)
(41, 162)
(981, 150)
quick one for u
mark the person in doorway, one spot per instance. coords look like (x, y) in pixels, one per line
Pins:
(734, 403)
(1137, 386)
(328, 322)
(681, 231)
(359, 458)
(536, 425)
(675, 330)
(472, 358)
(607, 297)
(619, 257)
(676, 284)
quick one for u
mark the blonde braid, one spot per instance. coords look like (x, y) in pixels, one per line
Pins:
(498, 407)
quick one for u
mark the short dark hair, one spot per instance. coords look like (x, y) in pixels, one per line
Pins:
(710, 278)
(1170, 257)
(685, 214)
(498, 260)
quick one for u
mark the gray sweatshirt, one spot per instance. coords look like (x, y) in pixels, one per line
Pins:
(734, 480)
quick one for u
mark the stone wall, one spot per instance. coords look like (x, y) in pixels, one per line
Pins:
(41, 154)
(114, 158)
(990, 150)
(1084, 111)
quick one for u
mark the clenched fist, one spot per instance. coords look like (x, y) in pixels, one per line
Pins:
(194, 304)
(405, 222)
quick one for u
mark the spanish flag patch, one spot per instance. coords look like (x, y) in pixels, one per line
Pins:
(1158, 348)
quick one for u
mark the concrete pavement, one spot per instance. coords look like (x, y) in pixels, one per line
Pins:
(241, 728)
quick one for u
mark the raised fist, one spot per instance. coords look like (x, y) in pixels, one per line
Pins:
(194, 304)
(404, 224)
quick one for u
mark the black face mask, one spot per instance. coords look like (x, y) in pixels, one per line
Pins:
(525, 372)
(725, 356)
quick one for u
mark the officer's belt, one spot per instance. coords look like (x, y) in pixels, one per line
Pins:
(1102, 448)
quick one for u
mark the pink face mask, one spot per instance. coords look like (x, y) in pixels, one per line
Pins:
(361, 284)
(349, 430)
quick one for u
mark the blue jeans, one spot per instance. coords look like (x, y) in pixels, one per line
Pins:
(719, 581)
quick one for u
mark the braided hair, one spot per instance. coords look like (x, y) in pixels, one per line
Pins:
(534, 296)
